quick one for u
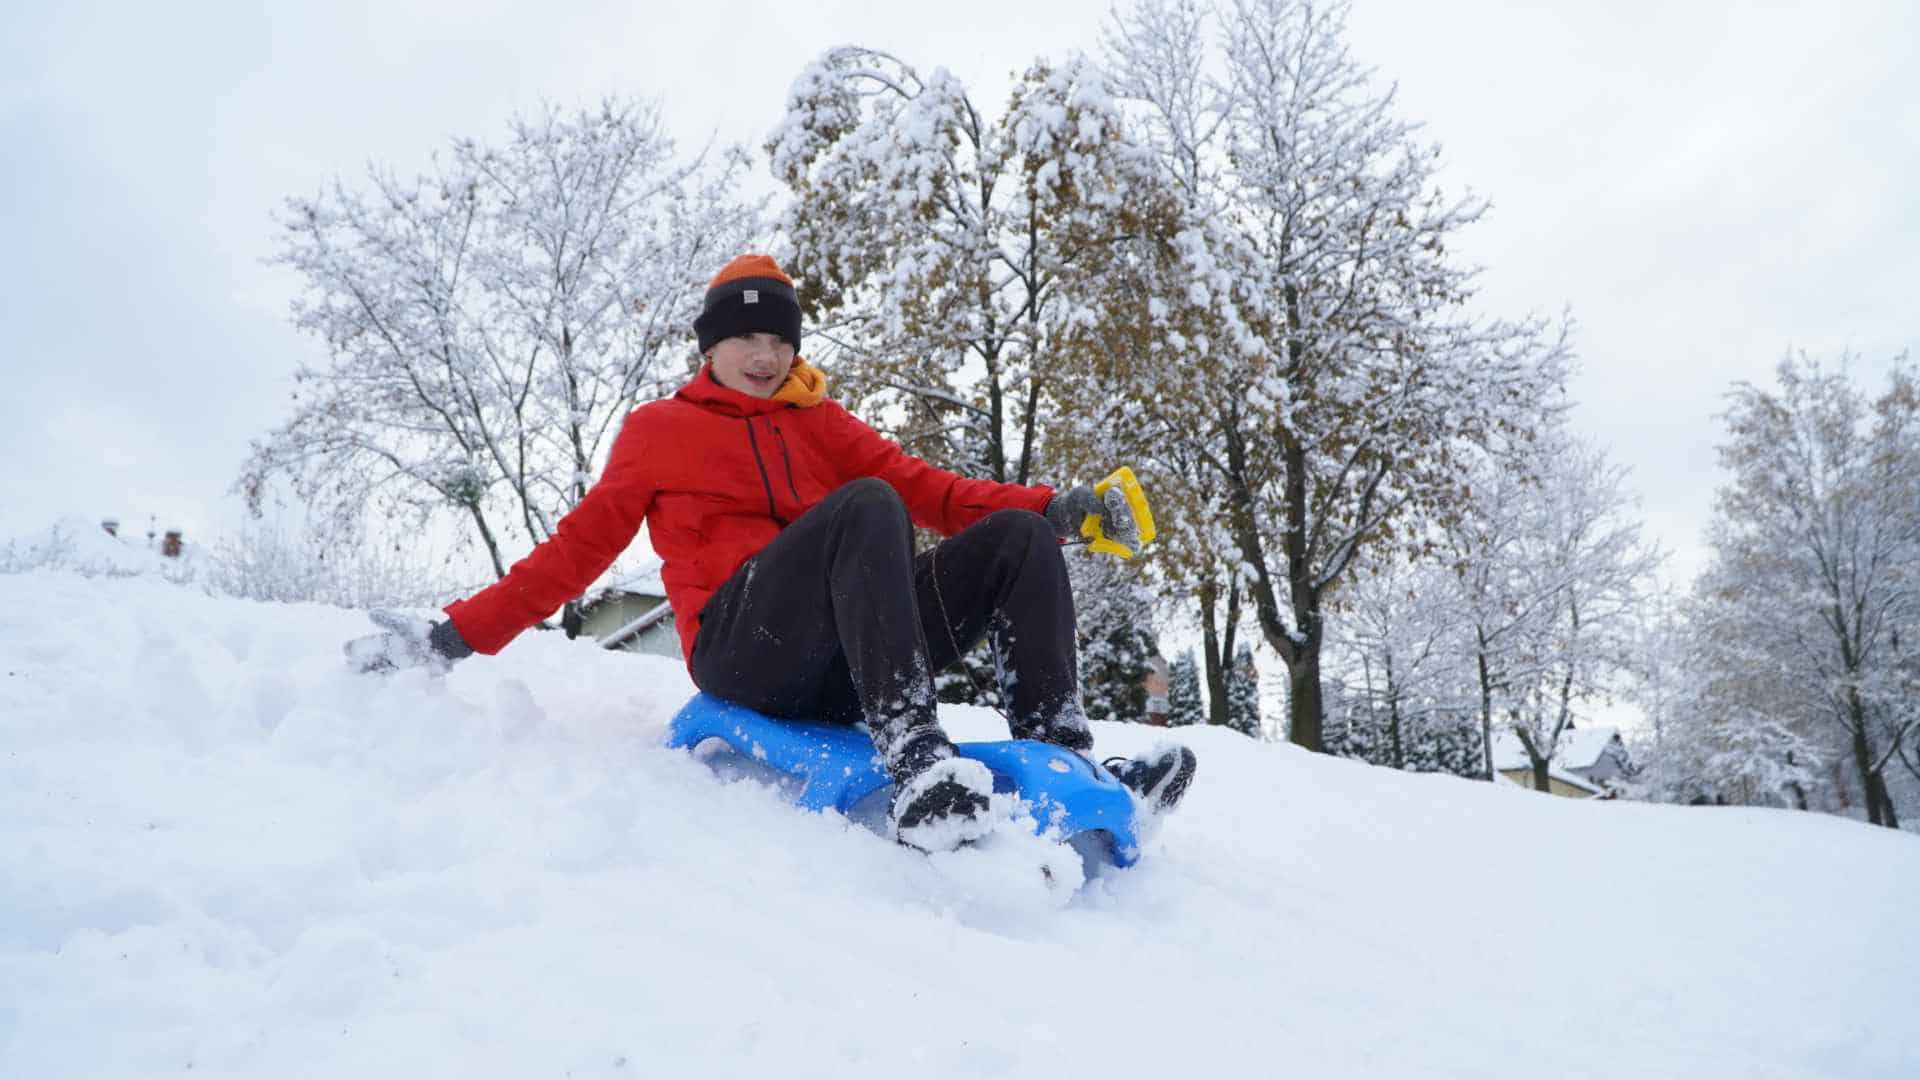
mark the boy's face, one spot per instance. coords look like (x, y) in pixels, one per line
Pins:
(753, 363)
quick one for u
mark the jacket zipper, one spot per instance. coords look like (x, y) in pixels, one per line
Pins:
(766, 483)
(785, 459)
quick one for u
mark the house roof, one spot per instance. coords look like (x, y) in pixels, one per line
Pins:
(1582, 748)
(655, 615)
(642, 582)
(1579, 748)
(1553, 773)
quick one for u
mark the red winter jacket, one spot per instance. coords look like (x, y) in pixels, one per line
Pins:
(716, 474)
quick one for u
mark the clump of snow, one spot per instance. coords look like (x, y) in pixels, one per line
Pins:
(222, 854)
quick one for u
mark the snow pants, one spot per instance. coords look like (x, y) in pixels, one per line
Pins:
(837, 620)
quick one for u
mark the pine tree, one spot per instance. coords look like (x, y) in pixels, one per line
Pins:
(1183, 692)
(1243, 693)
(1116, 638)
(973, 680)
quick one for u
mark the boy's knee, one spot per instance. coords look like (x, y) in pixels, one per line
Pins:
(871, 498)
(1023, 528)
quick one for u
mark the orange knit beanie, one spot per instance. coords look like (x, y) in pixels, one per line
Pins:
(750, 293)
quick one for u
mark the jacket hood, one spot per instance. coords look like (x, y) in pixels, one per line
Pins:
(805, 387)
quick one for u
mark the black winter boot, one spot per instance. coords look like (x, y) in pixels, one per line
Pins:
(944, 805)
(1159, 777)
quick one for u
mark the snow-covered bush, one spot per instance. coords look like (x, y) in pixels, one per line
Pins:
(289, 563)
(78, 546)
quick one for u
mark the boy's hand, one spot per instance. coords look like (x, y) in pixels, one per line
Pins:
(408, 642)
(1066, 510)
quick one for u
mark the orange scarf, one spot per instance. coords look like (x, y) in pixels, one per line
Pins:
(805, 385)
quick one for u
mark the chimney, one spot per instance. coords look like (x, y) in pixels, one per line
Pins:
(170, 547)
(112, 525)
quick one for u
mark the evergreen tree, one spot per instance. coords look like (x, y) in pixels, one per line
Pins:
(974, 680)
(1116, 639)
(1183, 692)
(1243, 693)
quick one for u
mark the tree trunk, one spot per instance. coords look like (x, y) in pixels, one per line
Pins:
(1304, 726)
(1304, 702)
(1216, 673)
(996, 419)
(1863, 763)
(486, 534)
(1541, 780)
(1486, 712)
(1879, 794)
(1218, 643)
(1396, 746)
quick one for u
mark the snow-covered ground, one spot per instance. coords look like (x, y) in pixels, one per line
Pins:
(220, 854)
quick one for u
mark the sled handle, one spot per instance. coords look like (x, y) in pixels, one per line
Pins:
(1136, 503)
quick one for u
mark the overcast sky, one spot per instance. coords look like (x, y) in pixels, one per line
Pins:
(1703, 185)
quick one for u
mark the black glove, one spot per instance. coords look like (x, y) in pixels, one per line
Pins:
(1067, 509)
(408, 642)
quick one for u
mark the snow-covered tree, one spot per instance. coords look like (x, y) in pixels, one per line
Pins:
(1183, 692)
(1583, 572)
(1114, 612)
(1809, 611)
(1399, 647)
(1485, 547)
(1243, 693)
(954, 256)
(1706, 740)
(1304, 324)
(490, 323)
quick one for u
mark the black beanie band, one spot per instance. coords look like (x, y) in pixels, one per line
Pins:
(744, 305)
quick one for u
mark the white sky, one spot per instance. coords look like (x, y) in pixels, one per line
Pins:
(1703, 188)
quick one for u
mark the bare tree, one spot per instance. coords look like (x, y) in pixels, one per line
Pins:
(1398, 640)
(1308, 325)
(1486, 547)
(491, 322)
(1812, 601)
(1585, 572)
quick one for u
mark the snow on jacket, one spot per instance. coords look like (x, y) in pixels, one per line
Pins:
(716, 474)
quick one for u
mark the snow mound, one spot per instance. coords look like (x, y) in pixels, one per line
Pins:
(222, 854)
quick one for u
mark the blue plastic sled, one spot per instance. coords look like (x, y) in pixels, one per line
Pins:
(838, 768)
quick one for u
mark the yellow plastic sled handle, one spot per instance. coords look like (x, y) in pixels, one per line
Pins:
(1136, 502)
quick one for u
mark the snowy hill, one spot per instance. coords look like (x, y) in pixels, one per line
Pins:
(221, 854)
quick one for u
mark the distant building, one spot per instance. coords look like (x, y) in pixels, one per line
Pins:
(1584, 764)
(1157, 681)
(632, 615)
(1595, 754)
(170, 545)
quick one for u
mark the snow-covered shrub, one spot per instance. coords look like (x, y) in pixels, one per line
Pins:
(78, 546)
(288, 563)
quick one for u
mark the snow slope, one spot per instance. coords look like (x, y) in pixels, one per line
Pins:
(221, 854)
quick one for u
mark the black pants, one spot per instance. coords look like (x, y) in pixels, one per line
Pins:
(836, 620)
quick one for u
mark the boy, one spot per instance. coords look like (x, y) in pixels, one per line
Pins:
(785, 529)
